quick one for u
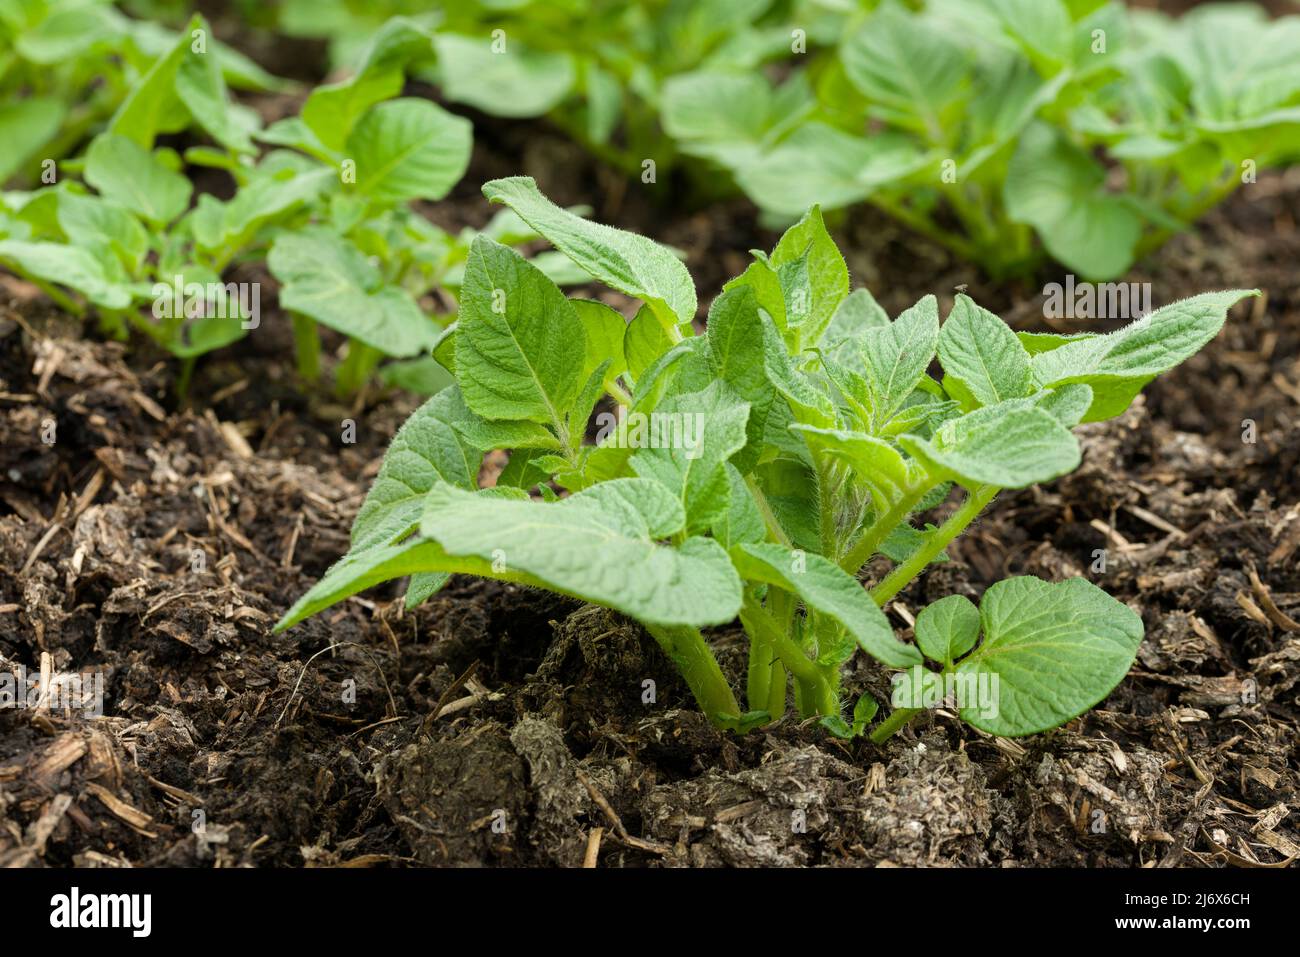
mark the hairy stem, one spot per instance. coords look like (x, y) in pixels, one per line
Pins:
(693, 657)
(774, 529)
(866, 546)
(759, 623)
(936, 542)
(897, 720)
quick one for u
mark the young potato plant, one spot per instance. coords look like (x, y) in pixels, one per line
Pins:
(328, 208)
(595, 67)
(66, 66)
(1099, 131)
(754, 470)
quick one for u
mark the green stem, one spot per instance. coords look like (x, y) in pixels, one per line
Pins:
(876, 533)
(897, 720)
(774, 529)
(355, 369)
(183, 378)
(759, 623)
(813, 694)
(306, 346)
(826, 506)
(935, 542)
(693, 657)
(775, 704)
(918, 223)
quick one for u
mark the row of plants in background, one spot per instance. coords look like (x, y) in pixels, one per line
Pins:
(753, 471)
(67, 65)
(323, 198)
(1003, 129)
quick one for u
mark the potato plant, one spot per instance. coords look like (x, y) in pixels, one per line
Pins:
(67, 65)
(327, 207)
(1003, 128)
(753, 471)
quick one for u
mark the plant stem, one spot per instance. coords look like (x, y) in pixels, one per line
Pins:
(355, 369)
(759, 623)
(867, 545)
(936, 542)
(693, 657)
(897, 720)
(774, 528)
(306, 346)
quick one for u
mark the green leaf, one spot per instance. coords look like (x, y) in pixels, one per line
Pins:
(645, 341)
(64, 32)
(605, 328)
(1041, 28)
(598, 545)
(1009, 445)
(1068, 404)
(423, 375)
(828, 275)
(735, 340)
(948, 628)
(807, 402)
(827, 589)
(1056, 650)
(131, 176)
(980, 351)
(425, 451)
(326, 278)
(863, 711)
(153, 106)
(898, 354)
(717, 115)
(520, 346)
(876, 463)
(766, 285)
(1058, 189)
(741, 521)
(912, 74)
(409, 149)
(700, 431)
(624, 261)
(89, 221)
(488, 434)
(1117, 365)
(512, 83)
(202, 88)
(857, 313)
(818, 163)
(70, 266)
(333, 110)
(26, 126)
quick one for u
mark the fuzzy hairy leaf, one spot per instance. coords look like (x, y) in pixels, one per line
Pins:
(897, 355)
(979, 351)
(520, 346)
(409, 149)
(948, 628)
(705, 429)
(1010, 445)
(1056, 650)
(630, 263)
(426, 450)
(326, 278)
(1119, 364)
(599, 545)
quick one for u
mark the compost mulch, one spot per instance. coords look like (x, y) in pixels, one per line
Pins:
(156, 541)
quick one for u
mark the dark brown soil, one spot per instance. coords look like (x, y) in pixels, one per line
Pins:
(158, 543)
